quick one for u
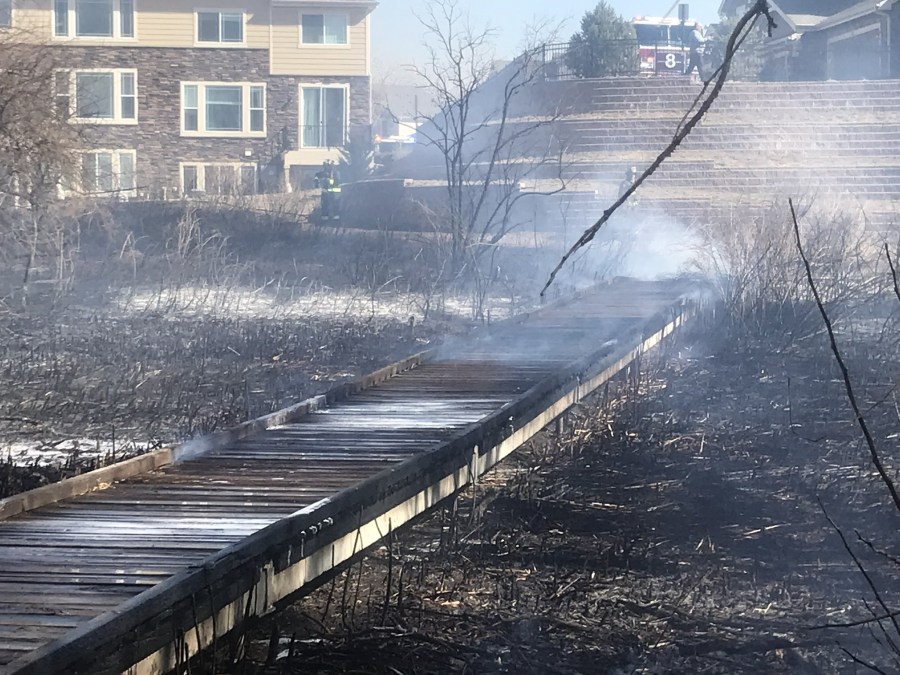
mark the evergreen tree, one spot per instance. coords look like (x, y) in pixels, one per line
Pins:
(606, 45)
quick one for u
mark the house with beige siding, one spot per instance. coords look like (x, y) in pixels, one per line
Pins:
(206, 96)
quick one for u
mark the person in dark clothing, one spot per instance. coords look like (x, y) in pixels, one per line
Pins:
(328, 181)
(630, 177)
(697, 43)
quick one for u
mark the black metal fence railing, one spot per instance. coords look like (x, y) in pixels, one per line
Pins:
(611, 58)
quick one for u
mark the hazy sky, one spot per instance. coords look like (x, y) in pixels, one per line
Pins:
(397, 36)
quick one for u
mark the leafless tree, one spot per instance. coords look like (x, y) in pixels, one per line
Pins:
(38, 150)
(491, 155)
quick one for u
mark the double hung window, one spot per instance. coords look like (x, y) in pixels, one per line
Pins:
(224, 179)
(6, 13)
(109, 171)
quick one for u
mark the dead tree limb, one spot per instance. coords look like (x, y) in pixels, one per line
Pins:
(741, 31)
(887, 251)
(845, 373)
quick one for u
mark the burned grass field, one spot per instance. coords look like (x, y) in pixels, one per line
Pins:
(187, 322)
(678, 523)
(150, 324)
(82, 389)
(673, 526)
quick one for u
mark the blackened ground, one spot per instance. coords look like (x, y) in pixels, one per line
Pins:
(673, 527)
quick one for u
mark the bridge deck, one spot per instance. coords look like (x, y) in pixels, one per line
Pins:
(66, 563)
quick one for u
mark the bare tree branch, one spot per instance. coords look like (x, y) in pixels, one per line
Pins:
(487, 149)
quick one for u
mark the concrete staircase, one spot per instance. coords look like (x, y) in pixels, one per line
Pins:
(837, 143)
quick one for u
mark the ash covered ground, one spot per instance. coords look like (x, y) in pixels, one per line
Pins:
(674, 526)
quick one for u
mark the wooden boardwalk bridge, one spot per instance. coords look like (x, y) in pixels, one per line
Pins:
(136, 567)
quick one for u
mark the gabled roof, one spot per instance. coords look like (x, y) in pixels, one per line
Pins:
(803, 15)
(813, 7)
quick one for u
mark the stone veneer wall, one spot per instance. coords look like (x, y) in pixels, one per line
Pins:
(157, 136)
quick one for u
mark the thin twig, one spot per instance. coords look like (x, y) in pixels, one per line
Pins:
(890, 615)
(854, 624)
(876, 550)
(864, 664)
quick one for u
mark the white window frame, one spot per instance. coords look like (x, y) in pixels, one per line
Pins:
(72, 25)
(328, 45)
(219, 44)
(200, 166)
(117, 118)
(245, 131)
(117, 191)
(321, 85)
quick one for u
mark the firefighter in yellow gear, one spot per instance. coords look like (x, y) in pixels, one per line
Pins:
(328, 181)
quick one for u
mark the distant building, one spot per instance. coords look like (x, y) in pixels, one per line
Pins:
(399, 110)
(206, 97)
(830, 39)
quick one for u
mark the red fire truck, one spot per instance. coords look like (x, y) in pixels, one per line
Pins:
(664, 44)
